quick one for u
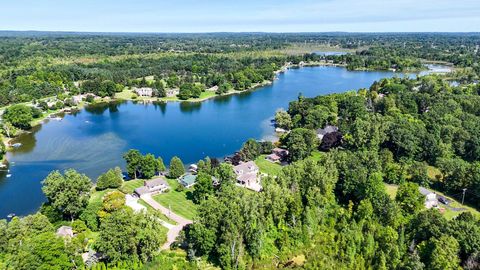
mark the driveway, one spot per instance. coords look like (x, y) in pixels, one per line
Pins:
(173, 230)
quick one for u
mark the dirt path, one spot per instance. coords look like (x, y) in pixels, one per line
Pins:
(173, 230)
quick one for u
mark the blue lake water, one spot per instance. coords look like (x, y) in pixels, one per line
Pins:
(94, 139)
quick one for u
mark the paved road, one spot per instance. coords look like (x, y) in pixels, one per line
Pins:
(173, 230)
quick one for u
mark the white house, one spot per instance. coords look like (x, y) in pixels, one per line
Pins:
(247, 175)
(431, 199)
(153, 186)
(144, 91)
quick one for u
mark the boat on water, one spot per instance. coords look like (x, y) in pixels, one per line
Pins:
(11, 215)
(16, 145)
(9, 175)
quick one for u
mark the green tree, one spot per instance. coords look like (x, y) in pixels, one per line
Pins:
(19, 116)
(160, 165)
(113, 178)
(251, 149)
(134, 160)
(126, 236)
(203, 187)
(300, 143)
(43, 251)
(409, 198)
(69, 193)
(148, 166)
(444, 253)
(283, 119)
(177, 168)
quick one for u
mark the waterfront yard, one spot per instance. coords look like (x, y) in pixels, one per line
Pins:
(268, 167)
(178, 201)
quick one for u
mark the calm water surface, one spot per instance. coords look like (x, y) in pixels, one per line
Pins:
(94, 139)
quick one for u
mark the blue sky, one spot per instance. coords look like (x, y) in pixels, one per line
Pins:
(242, 15)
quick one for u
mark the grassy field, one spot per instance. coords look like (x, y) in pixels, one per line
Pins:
(448, 214)
(267, 167)
(129, 186)
(97, 196)
(179, 202)
(161, 216)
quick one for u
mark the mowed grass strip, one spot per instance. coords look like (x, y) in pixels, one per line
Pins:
(178, 201)
(268, 167)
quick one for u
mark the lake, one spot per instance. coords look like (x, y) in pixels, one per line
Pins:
(94, 139)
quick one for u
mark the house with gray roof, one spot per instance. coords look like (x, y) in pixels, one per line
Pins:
(65, 231)
(154, 186)
(326, 130)
(248, 175)
(188, 180)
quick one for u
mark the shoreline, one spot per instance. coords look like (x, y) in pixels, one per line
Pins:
(41, 120)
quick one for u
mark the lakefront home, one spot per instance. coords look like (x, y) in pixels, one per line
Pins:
(144, 91)
(188, 180)
(247, 175)
(324, 131)
(277, 155)
(153, 186)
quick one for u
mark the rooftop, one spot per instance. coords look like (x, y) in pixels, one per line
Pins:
(188, 179)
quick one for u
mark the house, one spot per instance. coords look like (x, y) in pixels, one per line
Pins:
(144, 91)
(212, 89)
(324, 131)
(247, 175)
(193, 168)
(172, 92)
(65, 231)
(77, 99)
(277, 155)
(154, 186)
(430, 197)
(188, 180)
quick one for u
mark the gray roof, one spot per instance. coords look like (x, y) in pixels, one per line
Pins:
(65, 231)
(142, 190)
(246, 167)
(155, 182)
(328, 129)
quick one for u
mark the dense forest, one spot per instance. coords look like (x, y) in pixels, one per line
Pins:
(36, 65)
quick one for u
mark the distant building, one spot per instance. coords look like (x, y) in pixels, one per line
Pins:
(188, 180)
(144, 91)
(247, 175)
(277, 155)
(77, 99)
(172, 92)
(324, 131)
(212, 89)
(153, 186)
(193, 168)
(430, 197)
(65, 231)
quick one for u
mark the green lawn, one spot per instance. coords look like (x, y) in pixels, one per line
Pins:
(267, 167)
(448, 214)
(178, 201)
(97, 196)
(391, 190)
(162, 216)
(316, 155)
(129, 186)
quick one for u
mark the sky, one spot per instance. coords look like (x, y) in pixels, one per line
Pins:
(241, 15)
